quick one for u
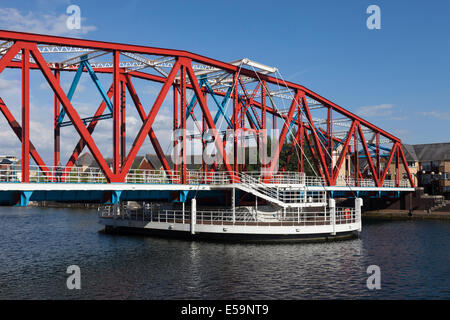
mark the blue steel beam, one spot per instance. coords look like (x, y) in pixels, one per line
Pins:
(220, 106)
(76, 80)
(204, 82)
(223, 104)
(322, 137)
(98, 85)
(193, 101)
(71, 92)
(211, 91)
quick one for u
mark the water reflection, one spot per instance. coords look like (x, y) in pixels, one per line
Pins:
(37, 245)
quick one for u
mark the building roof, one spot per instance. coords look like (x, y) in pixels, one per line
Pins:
(410, 152)
(137, 161)
(154, 160)
(6, 161)
(432, 151)
(94, 163)
(84, 160)
(427, 152)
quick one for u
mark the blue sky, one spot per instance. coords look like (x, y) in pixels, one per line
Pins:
(397, 77)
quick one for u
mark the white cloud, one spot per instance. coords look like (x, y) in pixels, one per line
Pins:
(13, 19)
(380, 110)
(436, 114)
(10, 89)
(399, 118)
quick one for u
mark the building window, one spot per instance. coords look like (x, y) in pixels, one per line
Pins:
(411, 164)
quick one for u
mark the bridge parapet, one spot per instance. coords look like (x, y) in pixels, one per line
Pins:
(194, 177)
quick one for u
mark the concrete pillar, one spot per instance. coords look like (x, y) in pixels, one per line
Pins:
(332, 205)
(193, 215)
(24, 198)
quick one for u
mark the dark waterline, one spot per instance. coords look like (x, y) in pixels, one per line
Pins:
(37, 245)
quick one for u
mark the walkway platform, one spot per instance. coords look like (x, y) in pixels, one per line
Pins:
(288, 189)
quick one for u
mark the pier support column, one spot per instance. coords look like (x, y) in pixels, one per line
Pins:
(193, 215)
(24, 198)
(332, 205)
(115, 196)
(358, 205)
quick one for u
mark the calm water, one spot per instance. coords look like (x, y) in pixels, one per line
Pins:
(37, 245)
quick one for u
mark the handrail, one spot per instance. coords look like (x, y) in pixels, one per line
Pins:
(194, 177)
(290, 217)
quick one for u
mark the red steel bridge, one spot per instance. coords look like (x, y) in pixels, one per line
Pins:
(342, 149)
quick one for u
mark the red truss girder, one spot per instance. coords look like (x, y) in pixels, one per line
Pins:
(161, 156)
(26, 44)
(15, 126)
(81, 144)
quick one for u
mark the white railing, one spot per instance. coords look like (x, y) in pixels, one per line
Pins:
(150, 176)
(289, 217)
(54, 174)
(347, 215)
(370, 183)
(278, 177)
(255, 184)
(295, 193)
(262, 179)
(314, 181)
(304, 196)
(351, 182)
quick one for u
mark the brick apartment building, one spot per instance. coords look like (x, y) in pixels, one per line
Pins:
(429, 165)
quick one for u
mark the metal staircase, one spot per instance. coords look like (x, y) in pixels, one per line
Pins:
(285, 197)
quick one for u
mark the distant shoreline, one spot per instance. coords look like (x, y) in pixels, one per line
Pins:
(405, 215)
(77, 205)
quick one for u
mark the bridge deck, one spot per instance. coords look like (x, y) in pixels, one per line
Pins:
(56, 186)
(288, 189)
(80, 176)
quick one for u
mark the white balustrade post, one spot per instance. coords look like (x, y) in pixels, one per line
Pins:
(256, 208)
(183, 208)
(332, 205)
(182, 213)
(233, 204)
(193, 214)
(358, 205)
